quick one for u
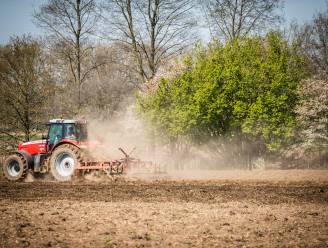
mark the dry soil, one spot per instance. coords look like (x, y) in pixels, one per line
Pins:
(270, 209)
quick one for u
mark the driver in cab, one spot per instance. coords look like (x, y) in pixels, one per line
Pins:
(70, 134)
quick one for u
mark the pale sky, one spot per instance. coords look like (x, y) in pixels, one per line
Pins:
(16, 15)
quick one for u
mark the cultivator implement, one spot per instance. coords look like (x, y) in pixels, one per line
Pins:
(117, 167)
(110, 167)
(125, 165)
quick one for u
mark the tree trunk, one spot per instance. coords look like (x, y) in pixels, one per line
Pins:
(78, 52)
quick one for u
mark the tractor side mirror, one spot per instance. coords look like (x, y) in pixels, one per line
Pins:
(44, 137)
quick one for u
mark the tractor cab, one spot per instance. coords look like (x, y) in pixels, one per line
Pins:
(60, 130)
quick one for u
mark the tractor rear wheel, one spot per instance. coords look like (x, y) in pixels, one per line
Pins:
(63, 162)
(15, 167)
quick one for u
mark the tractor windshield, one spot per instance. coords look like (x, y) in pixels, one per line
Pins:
(55, 133)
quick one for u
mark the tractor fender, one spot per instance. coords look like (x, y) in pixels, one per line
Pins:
(27, 156)
(62, 143)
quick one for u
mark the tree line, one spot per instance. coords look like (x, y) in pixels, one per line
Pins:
(255, 89)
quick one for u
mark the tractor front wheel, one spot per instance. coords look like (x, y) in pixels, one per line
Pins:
(63, 162)
(15, 167)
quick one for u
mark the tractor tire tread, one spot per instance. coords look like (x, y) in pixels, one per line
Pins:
(24, 165)
(54, 173)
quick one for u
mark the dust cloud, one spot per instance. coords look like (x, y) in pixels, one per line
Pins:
(182, 161)
(124, 131)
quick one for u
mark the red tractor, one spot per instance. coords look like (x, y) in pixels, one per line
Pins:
(64, 153)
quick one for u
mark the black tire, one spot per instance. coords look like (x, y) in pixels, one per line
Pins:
(15, 167)
(63, 162)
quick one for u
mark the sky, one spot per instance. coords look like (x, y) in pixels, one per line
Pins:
(16, 15)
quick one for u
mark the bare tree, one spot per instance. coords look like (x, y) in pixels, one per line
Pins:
(313, 40)
(113, 83)
(232, 19)
(154, 30)
(26, 87)
(70, 24)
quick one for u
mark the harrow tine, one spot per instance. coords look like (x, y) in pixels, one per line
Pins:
(134, 148)
(125, 154)
(107, 172)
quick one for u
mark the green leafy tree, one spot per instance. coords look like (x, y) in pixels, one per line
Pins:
(272, 115)
(241, 91)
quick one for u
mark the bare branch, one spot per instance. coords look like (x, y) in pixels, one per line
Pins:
(239, 18)
(151, 27)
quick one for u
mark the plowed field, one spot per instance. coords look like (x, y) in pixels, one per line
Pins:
(258, 212)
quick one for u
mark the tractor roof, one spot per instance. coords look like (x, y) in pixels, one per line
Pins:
(67, 121)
